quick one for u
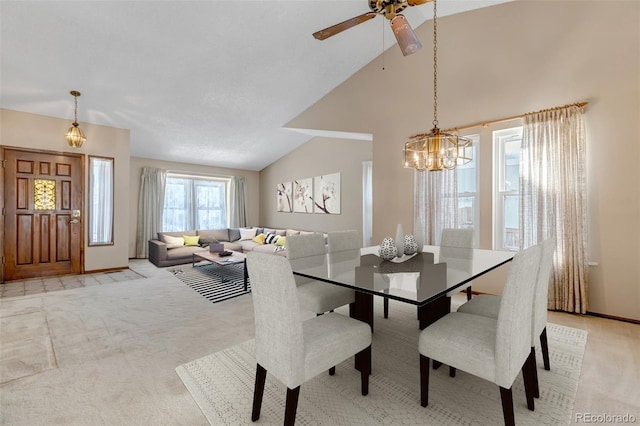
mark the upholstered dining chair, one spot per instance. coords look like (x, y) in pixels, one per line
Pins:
(451, 240)
(316, 296)
(489, 348)
(292, 350)
(489, 305)
(343, 240)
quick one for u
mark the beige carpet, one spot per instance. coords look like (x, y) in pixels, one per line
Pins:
(222, 385)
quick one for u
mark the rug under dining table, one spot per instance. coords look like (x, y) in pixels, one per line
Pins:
(222, 385)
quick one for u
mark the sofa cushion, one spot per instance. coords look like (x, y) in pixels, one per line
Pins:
(292, 232)
(185, 252)
(281, 241)
(259, 238)
(214, 235)
(172, 242)
(234, 234)
(191, 240)
(270, 239)
(247, 233)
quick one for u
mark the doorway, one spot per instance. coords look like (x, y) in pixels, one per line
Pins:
(43, 206)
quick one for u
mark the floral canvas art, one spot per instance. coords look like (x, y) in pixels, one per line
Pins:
(326, 197)
(303, 195)
(284, 197)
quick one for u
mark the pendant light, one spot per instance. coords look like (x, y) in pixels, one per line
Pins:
(75, 136)
(436, 150)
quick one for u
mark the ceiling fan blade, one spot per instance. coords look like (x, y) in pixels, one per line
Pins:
(338, 28)
(418, 2)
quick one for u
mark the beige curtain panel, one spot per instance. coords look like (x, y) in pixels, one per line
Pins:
(553, 199)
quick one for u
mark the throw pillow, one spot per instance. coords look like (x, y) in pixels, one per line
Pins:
(270, 239)
(247, 234)
(191, 240)
(281, 241)
(172, 242)
(259, 238)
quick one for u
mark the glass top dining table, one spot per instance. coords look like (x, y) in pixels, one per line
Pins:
(423, 279)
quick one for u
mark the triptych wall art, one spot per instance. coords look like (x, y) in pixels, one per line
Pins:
(320, 194)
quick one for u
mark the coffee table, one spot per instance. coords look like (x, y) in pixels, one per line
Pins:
(222, 261)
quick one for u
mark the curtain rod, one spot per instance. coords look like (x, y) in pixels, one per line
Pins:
(502, 120)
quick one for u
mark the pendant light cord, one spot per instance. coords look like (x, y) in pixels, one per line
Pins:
(435, 66)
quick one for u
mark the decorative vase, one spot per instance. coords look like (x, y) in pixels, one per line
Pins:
(410, 245)
(387, 250)
(399, 241)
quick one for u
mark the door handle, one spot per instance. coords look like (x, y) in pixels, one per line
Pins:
(74, 221)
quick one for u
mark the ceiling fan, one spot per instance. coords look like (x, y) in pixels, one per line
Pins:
(390, 9)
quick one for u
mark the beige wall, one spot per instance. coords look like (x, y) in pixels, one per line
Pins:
(319, 156)
(498, 62)
(137, 163)
(33, 131)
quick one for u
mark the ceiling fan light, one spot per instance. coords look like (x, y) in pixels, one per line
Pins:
(405, 36)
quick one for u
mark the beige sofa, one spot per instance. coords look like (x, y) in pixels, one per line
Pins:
(165, 251)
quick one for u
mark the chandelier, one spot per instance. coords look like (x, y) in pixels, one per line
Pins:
(436, 150)
(75, 136)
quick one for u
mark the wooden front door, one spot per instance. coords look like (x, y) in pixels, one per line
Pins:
(43, 214)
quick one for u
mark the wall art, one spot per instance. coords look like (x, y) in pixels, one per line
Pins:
(303, 195)
(326, 197)
(284, 197)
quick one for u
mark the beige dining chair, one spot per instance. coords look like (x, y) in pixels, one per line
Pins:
(489, 348)
(451, 240)
(314, 295)
(489, 305)
(292, 350)
(343, 240)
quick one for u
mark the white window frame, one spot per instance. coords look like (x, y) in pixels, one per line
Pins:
(500, 138)
(192, 222)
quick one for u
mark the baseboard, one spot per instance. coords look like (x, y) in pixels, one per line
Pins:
(613, 317)
(99, 271)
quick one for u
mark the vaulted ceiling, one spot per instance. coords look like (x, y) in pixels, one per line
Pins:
(206, 82)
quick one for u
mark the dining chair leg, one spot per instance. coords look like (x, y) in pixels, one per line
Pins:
(507, 406)
(291, 406)
(529, 385)
(363, 358)
(261, 375)
(545, 349)
(534, 371)
(424, 380)
(452, 371)
(386, 307)
(469, 294)
(332, 371)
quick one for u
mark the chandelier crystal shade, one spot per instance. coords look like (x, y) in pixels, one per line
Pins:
(75, 136)
(436, 150)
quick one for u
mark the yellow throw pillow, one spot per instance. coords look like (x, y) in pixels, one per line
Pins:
(259, 238)
(281, 240)
(191, 240)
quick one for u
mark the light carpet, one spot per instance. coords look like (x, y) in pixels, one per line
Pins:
(216, 283)
(222, 385)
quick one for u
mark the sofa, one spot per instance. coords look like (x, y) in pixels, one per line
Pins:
(176, 248)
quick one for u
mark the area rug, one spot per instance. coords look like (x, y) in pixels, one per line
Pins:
(222, 385)
(214, 282)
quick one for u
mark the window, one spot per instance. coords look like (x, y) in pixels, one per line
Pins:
(195, 202)
(100, 201)
(468, 212)
(507, 188)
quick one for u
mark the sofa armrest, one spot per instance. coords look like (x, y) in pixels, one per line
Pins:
(157, 251)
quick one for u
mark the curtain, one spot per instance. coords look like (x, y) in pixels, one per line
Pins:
(238, 198)
(435, 204)
(367, 203)
(553, 199)
(150, 207)
(101, 180)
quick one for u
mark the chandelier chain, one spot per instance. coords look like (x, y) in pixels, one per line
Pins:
(435, 66)
(76, 110)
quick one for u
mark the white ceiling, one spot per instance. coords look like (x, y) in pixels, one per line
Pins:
(206, 82)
